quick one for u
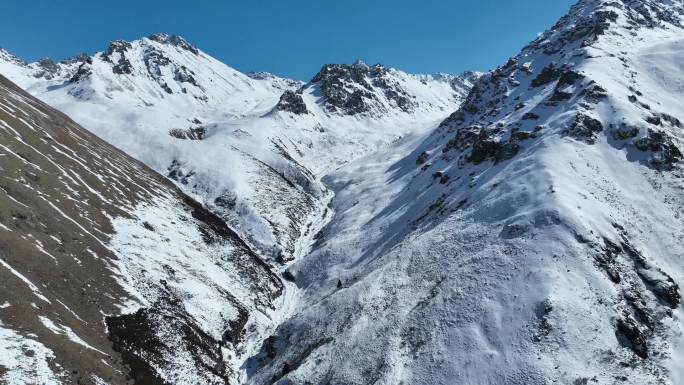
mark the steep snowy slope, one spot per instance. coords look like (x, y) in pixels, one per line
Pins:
(535, 237)
(251, 147)
(108, 273)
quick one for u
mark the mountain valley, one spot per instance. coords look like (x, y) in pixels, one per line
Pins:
(370, 226)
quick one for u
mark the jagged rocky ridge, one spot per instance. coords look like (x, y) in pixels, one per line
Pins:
(568, 42)
(358, 89)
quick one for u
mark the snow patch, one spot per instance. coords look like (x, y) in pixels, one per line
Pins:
(25, 360)
(66, 331)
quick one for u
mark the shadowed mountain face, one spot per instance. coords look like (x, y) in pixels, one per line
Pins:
(85, 295)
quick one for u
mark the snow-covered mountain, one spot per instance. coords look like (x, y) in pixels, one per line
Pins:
(194, 119)
(230, 141)
(162, 70)
(535, 237)
(109, 274)
(360, 89)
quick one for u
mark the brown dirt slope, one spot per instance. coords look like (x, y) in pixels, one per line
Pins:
(59, 188)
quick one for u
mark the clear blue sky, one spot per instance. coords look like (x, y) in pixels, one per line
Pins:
(290, 37)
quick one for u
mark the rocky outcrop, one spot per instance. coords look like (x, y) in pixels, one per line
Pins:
(477, 145)
(83, 72)
(174, 40)
(48, 69)
(192, 133)
(357, 89)
(584, 127)
(292, 101)
(152, 340)
(116, 54)
(155, 60)
(664, 153)
(647, 294)
(345, 88)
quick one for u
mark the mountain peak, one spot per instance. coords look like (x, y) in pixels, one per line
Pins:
(356, 88)
(8, 57)
(513, 103)
(359, 88)
(121, 46)
(174, 40)
(359, 63)
(590, 19)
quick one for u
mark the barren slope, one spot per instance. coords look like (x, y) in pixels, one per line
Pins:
(108, 272)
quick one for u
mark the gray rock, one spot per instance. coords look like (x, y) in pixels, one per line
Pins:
(292, 102)
(585, 128)
(664, 151)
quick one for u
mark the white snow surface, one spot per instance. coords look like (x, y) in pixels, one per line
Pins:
(171, 249)
(445, 271)
(492, 276)
(249, 149)
(25, 361)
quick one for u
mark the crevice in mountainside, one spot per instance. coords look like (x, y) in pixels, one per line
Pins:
(290, 302)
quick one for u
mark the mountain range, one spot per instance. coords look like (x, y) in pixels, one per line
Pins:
(197, 225)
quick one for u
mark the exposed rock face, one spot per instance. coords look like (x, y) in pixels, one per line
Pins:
(360, 89)
(192, 133)
(154, 337)
(48, 67)
(480, 145)
(117, 46)
(349, 88)
(292, 101)
(346, 88)
(625, 132)
(664, 153)
(116, 54)
(586, 128)
(547, 75)
(175, 41)
(484, 150)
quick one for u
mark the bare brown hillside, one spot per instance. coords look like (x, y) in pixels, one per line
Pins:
(61, 285)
